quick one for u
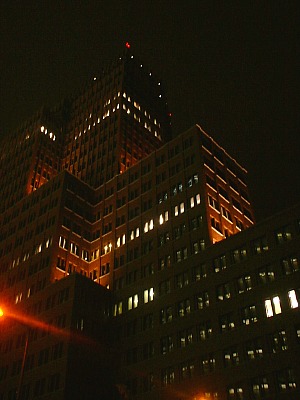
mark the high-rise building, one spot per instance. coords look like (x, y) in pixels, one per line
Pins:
(115, 120)
(181, 295)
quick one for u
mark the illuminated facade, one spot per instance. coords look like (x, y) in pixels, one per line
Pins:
(198, 301)
(115, 120)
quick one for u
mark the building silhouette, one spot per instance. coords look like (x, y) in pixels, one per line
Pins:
(130, 262)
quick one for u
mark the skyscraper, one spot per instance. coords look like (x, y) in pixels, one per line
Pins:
(97, 187)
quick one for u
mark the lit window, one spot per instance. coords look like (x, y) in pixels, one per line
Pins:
(181, 208)
(130, 303)
(198, 199)
(176, 211)
(161, 219)
(151, 224)
(192, 202)
(279, 341)
(146, 227)
(135, 301)
(151, 294)
(276, 304)
(268, 307)
(293, 299)
(272, 306)
(148, 295)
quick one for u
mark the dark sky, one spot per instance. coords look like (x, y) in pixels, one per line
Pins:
(231, 66)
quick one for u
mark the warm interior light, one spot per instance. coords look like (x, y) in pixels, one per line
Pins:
(1, 312)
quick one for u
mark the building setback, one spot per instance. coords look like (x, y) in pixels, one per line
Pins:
(130, 263)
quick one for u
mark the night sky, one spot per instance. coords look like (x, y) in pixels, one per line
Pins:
(230, 66)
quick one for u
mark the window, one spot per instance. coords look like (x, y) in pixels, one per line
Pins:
(272, 306)
(231, 357)
(290, 265)
(148, 226)
(167, 376)
(195, 200)
(297, 329)
(179, 209)
(148, 295)
(279, 341)
(204, 330)
(223, 292)
(183, 308)
(182, 280)
(192, 180)
(199, 272)
(239, 225)
(178, 231)
(148, 383)
(121, 240)
(254, 349)
(164, 217)
(181, 254)
(164, 287)
(166, 344)
(201, 300)
(185, 338)
(63, 243)
(226, 214)
(244, 284)
(260, 245)
(133, 302)
(293, 297)
(164, 262)
(266, 274)
(216, 224)
(198, 246)
(195, 222)
(118, 308)
(134, 233)
(163, 196)
(166, 315)
(226, 322)
(286, 380)
(208, 363)
(163, 239)
(260, 387)
(249, 315)
(223, 193)
(219, 263)
(213, 203)
(176, 189)
(187, 369)
(235, 393)
(283, 234)
(239, 255)
(236, 204)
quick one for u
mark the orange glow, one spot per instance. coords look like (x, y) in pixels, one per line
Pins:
(73, 336)
(34, 323)
(1, 312)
